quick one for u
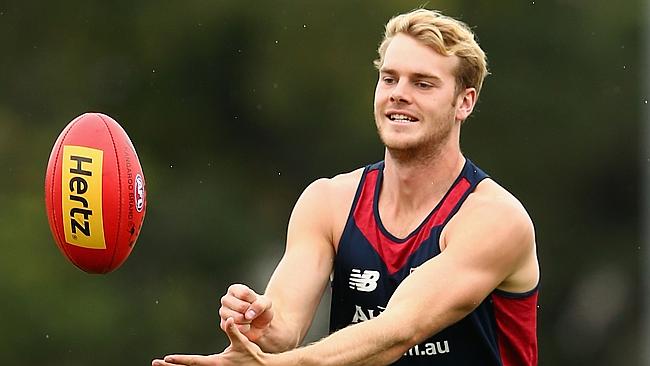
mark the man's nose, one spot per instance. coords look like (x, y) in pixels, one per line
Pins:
(400, 93)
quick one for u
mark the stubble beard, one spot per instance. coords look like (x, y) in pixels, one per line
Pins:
(423, 149)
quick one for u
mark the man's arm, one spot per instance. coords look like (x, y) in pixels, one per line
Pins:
(496, 242)
(300, 279)
(279, 319)
(477, 259)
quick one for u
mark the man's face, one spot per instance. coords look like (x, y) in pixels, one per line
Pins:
(415, 103)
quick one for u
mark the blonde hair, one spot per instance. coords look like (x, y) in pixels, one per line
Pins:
(445, 35)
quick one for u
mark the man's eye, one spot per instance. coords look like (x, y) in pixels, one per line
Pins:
(388, 80)
(423, 85)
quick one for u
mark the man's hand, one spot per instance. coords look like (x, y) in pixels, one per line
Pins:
(251, 312)
(241, 352)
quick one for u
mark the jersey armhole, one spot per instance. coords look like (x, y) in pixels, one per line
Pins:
(516, 295)
(355, 201)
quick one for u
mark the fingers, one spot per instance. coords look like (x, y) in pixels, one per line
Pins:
(165, 363)
(236, 302)
(244, 328)
(244, 305)
(242, 292)
(182, 360)
(262, 310)
(233, 308)
(258, 307)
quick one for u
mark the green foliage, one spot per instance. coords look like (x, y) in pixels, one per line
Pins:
(234, 108)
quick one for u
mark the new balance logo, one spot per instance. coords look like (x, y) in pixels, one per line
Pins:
(365, 282)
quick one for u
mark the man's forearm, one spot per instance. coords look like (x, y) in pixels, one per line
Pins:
(379, 341)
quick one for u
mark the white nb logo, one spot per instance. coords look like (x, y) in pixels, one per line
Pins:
(366, 281)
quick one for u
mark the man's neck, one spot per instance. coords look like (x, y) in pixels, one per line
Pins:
(419, 184)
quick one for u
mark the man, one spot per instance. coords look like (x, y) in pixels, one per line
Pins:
(432, 262)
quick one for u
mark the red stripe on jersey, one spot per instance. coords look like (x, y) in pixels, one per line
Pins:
(395, 254)
(516, 319)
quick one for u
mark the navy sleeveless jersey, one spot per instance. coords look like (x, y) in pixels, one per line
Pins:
(370, 263)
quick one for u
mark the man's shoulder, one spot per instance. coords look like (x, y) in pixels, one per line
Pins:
(347, 180)
(327, 201)
(491, 198)
(331, 196)
(492, 209)
(340, 185)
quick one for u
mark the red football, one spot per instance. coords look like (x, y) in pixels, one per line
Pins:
(95, 193)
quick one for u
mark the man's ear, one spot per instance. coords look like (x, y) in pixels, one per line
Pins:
(465, 102)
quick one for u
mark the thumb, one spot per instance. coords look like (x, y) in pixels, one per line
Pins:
(237, 339)
(260, 311)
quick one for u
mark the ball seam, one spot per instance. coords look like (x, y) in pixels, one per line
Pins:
(119, 184)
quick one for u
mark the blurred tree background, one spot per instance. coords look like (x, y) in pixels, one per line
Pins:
(235, 107)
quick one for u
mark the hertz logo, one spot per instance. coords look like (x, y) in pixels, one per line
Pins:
(81, 189)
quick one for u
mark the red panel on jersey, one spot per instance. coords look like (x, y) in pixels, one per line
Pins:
(516, 319)
(395, 254)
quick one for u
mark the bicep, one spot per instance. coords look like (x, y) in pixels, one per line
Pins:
(474, 263)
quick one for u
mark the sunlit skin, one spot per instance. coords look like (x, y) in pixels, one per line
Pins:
(422, 159)
(425, 91)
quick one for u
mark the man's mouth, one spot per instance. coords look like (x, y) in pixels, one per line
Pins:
(398, 117)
